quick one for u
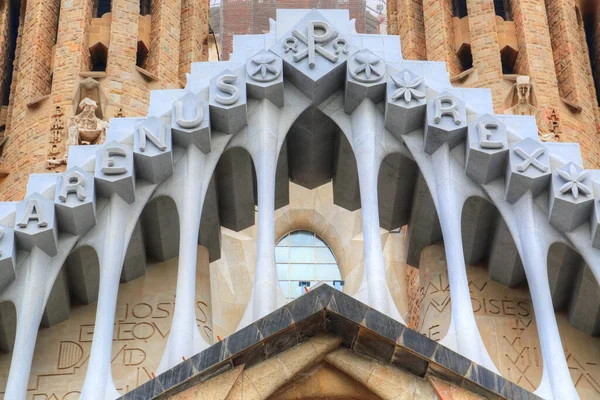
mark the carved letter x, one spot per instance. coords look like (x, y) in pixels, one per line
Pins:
(530, 159)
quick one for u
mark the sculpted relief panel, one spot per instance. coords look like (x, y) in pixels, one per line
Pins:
(506, 321)
(142, 325)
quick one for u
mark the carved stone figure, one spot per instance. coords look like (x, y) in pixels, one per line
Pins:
(84, 128)
(521, 99)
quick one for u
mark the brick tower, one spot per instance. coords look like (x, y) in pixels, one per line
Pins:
(55, 53)
(491, 43)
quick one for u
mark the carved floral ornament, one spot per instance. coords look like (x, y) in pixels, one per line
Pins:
(440, 119)
(407, 85)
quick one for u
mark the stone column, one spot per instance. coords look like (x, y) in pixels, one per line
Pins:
(535, 49)
(411, 28)
(5, 50)
(439, 33)
(486, 49)
(163, 59)
(194, 35)
(125, 89)
(29, 315)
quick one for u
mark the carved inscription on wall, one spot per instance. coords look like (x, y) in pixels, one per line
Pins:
(506, 321)
(142, 325)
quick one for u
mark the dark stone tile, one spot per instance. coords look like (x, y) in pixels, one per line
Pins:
(176, 375)
(372, 345)
(477, 389)
(451, 360)
(347, 307)
(383, 325)
(410, 362)
(345, 329)
(324, 293)
(278, 320)
(146, 391)
(250, 356)
(211, 356)
(310, 326)
(214, 371)
(417, 343)
(242, 339)
(512, 391)
(445, 374)
(486, 378)
(282, 341)
(305, 306)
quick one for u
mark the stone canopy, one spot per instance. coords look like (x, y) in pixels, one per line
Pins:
(233, 120)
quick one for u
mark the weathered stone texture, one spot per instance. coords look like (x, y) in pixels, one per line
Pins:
(439, 33)
(543, 33)
(47, 75)
(163, 58)
(194, 34)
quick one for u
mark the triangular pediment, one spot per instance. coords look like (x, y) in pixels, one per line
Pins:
(326, 324)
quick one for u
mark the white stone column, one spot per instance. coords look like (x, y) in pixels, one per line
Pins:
(556, 380)
(367, 136)
(30, 310)
(98, 380)
(184, 338)
(463, 334)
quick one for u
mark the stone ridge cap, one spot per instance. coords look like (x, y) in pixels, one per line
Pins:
(362, 329)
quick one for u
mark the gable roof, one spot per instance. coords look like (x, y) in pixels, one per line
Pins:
(360, 327)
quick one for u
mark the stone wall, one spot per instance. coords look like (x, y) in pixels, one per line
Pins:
(5, 49)
(549, 33)
(506, 321)
(46, 75)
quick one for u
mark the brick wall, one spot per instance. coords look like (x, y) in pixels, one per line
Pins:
(411, 28)
(5, 49)
(194, 34)
(439, 33)
(241, 17)
(163, 59)
(485, 48)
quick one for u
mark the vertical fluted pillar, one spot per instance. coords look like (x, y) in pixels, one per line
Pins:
(30, 309)
(367, 124)
(556, 376)
(99, 383)
(184, 332)
(463, 333)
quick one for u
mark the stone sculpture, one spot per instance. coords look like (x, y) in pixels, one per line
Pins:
(521, 99)
(84, 128)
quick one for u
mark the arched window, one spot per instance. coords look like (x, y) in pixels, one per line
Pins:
(503, 9)
(101, 7)
(145, 7)
(303, 259)
(459, 8)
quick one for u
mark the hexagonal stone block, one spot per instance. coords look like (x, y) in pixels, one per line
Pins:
(264, 77)
(406, 102)
(190, 123)
(75, 201)
(487, 149)
(8, 256)
(446, 122)
(528, 169)
(596, 224)
(365, 79)
(35, 224)
(228, 102)
(314, 56)
(571, 197)
(153, 150)
(115, 172)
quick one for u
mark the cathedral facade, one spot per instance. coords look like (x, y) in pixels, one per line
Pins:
(327, 214)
